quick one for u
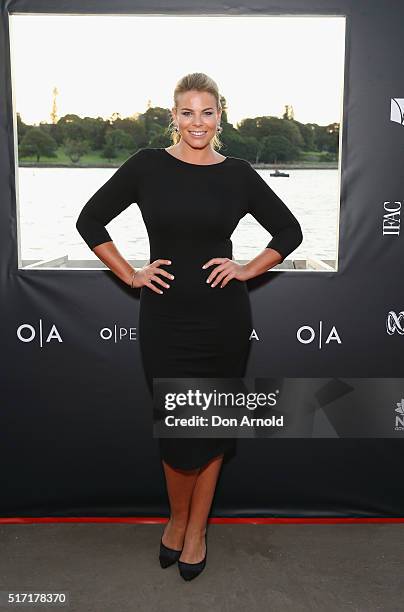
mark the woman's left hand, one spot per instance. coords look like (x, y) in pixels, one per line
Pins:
(225, 271)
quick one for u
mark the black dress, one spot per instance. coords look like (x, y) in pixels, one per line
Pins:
(190, 211)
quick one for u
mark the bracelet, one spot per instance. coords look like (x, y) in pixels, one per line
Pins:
(132, 279)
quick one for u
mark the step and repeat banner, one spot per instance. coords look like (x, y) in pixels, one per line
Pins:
(319, 416)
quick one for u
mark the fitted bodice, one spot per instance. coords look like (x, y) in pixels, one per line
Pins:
(190, 212)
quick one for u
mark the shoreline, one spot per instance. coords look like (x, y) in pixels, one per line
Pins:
(285, 166)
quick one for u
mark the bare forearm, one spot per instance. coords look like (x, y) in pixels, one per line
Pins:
(111, 257)
(265, 260)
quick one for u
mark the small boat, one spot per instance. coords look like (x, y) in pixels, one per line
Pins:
(278, 173)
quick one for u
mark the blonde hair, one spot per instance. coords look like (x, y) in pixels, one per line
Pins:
(200, 82)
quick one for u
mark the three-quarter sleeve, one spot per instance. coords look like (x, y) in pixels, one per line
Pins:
(273, 214)
(120, 190)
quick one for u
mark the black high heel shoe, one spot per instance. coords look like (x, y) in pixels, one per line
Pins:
(191, 570)
(168, 556)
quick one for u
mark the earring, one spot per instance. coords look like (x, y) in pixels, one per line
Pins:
(219, 129)
(176, 128)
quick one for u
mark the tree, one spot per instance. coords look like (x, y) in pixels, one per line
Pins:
(278, 148)
(21, 128)
(289, 112)
(116, 140)
(37, 142)
(75, 149)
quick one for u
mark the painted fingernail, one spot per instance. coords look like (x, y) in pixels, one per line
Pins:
(172, 276)
(203, 267)
(167, 285)
(208, 280)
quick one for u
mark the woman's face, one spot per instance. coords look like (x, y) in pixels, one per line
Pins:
(197, 117)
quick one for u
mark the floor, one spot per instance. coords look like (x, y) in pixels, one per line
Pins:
(114, 567)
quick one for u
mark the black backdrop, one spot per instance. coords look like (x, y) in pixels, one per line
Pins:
(75, 413)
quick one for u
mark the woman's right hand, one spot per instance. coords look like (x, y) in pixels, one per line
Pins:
(144, 276)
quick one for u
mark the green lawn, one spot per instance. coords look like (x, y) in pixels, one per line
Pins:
(94, 159)
(90, 159)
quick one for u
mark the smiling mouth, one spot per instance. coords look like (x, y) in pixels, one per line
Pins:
(197, 134)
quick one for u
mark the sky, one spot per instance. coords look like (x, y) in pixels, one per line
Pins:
(106, 64)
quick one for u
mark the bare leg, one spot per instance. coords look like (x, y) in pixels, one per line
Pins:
(180, 484)
(201, 501)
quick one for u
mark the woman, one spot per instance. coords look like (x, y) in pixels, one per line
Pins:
(191, 198)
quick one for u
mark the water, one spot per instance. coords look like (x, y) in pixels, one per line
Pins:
(50, 200)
